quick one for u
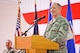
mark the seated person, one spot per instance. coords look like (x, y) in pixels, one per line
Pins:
(9, 48)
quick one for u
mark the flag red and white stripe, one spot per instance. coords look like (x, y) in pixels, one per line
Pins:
(18, 24)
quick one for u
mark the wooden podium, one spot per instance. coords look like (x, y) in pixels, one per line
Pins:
(35, 44)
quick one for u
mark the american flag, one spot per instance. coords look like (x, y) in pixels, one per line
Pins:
(18, 24)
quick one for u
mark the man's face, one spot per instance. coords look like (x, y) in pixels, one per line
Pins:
(55, 10)
(8, 44)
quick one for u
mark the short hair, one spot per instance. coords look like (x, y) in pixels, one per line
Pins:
(57, 4)
(9, 41)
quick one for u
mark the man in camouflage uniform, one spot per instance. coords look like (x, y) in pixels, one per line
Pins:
(57, 29)
(10, 49)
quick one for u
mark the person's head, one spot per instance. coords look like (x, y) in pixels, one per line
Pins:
(56, 9)
(8, 44)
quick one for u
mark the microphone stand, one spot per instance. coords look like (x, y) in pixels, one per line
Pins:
(27, 30)
(32, 25)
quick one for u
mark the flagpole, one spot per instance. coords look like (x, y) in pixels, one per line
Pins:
(70, 42)
(18, 23)
(19, 13)
(49, 14)
(18, 16)
(35, 1)
(35, 23)
(19, 2)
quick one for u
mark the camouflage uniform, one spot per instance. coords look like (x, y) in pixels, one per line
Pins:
(9, 51)
(56, 31)
(14, 51)
(21, 51)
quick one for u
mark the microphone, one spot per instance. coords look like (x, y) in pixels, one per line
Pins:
(36, 20)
